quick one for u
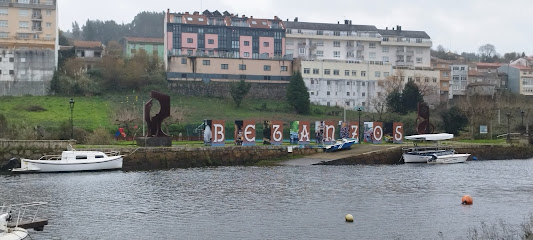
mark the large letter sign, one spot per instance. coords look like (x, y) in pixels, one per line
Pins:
(329, 132)
(249, 133)
(304, 137)
(276, 133)
(377, 133)
(217, 135)
(354, 131)
(397, 132)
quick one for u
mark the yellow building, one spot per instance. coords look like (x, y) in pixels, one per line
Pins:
(28, 46)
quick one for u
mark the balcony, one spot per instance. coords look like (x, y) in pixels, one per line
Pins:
(402, 63)
(37, 29)
(360, 48)
(37, 17)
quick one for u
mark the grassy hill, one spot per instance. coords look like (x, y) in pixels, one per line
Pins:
(95, 112)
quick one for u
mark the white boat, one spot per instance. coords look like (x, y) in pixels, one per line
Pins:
(434, 154)
(342, 144)
(448, 157)
(72, 161)
(15, 218)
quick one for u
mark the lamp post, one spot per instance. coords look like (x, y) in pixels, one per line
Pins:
(359, 123)
(508, 127)
(522, 112)
(71, 104)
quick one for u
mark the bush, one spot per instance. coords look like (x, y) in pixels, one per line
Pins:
(100, 136)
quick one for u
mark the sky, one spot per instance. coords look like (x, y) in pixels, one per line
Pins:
(457, 25)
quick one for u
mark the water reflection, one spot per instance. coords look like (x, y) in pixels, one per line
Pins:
(388, 202)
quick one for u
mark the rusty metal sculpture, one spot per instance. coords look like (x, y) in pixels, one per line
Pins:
(423, 126)
(154, 123)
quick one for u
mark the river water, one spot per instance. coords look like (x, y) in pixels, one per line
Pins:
(410, 201)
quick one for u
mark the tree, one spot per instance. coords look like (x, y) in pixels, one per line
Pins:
(510, 56)
(487, 53)
(76, 32)
(148, 24)
(297, 94)
(394, 100)
(239, 90)
(63, 41)
(454, 120)
(411, 96)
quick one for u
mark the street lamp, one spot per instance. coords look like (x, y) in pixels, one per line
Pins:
(359, 127)
(508, 127)
(71, 103)
(522, 112)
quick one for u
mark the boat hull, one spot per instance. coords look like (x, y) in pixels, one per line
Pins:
(28, 165)
(413, 158)
(450, 158)
(14, 234)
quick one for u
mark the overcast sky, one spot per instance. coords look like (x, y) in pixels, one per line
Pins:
(458, 25)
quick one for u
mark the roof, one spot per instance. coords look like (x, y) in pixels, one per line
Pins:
(521, 67)
(330, 26)
(404, 33)
(87, 44)
(144, 40)
(474, 73)
(489, 65)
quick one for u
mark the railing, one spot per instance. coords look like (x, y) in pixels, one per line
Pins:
(24, 212)
(37, 16)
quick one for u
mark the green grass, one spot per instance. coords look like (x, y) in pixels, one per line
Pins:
(97, 111)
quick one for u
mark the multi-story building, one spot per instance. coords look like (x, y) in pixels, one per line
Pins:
(89, 52)
(223, 35)
(361, 43)
(152, 46)
(343, 83)
(459, 79)
(28, 46)
(445, 77)
(519, 78)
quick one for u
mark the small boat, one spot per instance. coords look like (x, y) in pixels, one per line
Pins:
(448, 157)
(342, 144)
(16, 218)
(72, 161)
(434, 154)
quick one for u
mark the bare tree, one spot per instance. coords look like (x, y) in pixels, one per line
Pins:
(487, 52)
(128, 118)
(177, 115)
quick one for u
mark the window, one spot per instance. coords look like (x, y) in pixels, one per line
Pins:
(336, 44)
(327, 93)
(327, 72)
(266, 68)
(372, 45)
(445, 74)
(363, 84)
(409, 79)
(336, 33)
(312, 81)
(11, 72)
(266, 78)
(337, 54)
(462, 68)
(48, 12)
(319, 43)
(385, 49)
(242, 66)
(284, 68)
(385, 59)
(328, 82)
(347, 83)
(24, 24)
(363, 104)
(183, 60)
(336, 72)
(316, 71)
(23, 35)
(189, 40)
(224, 66)
(210, 41)
(347, 93)
(24, 12)
(417, 79)
(354, 73)
(3, 35)
(363, 73)
(372, 55)
(418, 60)
(419, 40)
(386, 74)
(363, 94)
(246, 43)
(301, 51)
(426, 79)
(189, 52)
(319, 32)
(307, 70)
(266, 44)
(434, 80)
(377, 74)
(3, 24)
(246, 54)
(346, 72)
(319, 53)
(3, 11)
(206, 62)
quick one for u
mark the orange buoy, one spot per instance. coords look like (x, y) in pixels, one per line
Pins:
(467, 200)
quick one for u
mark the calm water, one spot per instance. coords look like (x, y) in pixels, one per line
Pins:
(414, 201)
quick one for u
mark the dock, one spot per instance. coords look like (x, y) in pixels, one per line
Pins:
(358, 154)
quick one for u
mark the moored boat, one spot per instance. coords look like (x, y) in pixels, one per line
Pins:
(72, 161)
(448, 157)
(16, 218)
(342, 144)
(436, 154)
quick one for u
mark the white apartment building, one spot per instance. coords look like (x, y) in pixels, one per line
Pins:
(345, 84)
(428, 82)
(361, 43)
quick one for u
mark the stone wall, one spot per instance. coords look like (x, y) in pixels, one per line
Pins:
(387, 156)
(30, 149)
(187, 157)
(274, 91)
